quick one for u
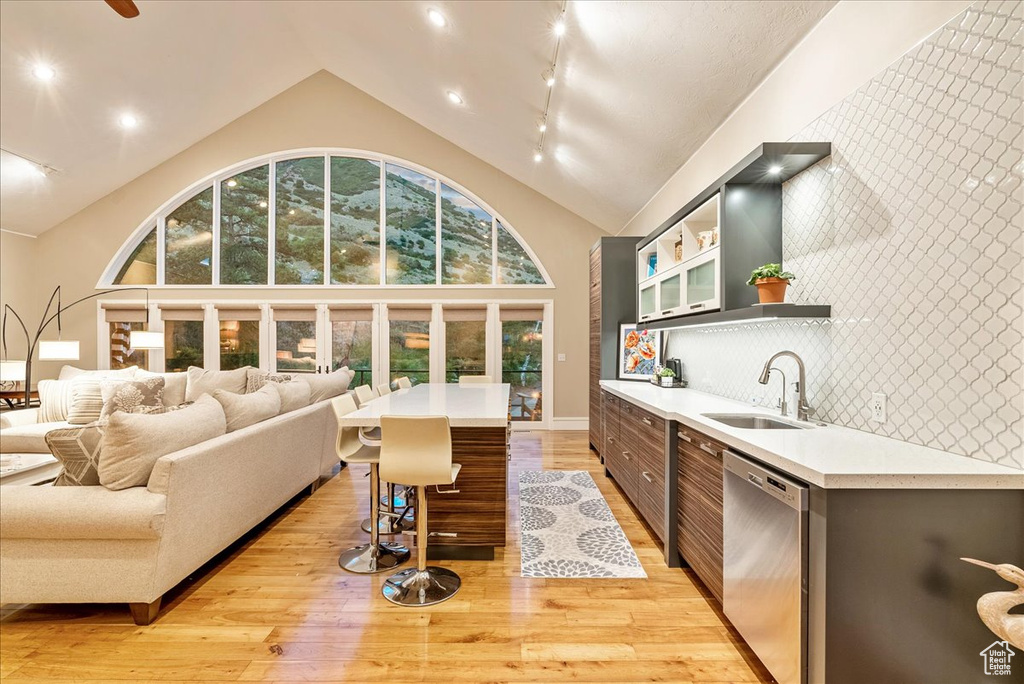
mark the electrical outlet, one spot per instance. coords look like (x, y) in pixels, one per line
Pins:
(561, 357)
(878, 408)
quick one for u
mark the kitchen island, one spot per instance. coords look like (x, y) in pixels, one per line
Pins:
(469, 522)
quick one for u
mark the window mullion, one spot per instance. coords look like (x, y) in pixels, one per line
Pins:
(215, 258)
(272, 222)
(383, 251)
(494, 250)
(161, 248)
(437, 231)
(327, 220)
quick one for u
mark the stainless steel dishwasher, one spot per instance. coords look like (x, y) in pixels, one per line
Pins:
(765, 564)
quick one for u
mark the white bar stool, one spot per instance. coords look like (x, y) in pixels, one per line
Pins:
(364, 394)
(418, 452)
(354, 447)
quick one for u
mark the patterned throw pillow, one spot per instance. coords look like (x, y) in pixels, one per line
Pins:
(255, 379)
(78, 450)
(125, 395)
(160, 409)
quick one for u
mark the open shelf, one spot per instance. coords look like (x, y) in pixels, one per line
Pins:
(748, 314)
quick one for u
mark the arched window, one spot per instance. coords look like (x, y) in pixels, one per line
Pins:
(325, 217)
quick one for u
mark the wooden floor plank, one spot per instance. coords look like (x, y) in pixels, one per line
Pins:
(276, 608)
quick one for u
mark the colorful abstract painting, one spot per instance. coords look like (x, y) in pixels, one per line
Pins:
(639, 352)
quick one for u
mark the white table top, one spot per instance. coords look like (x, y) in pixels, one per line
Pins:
(833, 457)
(482, 405)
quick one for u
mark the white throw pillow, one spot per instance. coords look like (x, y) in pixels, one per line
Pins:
(243, 410)
(326, 386)
(133, 442)
(294, 395)
(71, 372)
(174, 385)
(202, 381)
(54, 400)
(256, 379)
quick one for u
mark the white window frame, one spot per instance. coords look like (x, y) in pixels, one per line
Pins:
(106, 280)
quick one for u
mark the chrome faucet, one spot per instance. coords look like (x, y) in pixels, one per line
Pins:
(783, 406)
(803, 411)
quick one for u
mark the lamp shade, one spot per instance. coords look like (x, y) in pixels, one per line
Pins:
(145, 339)
(58, 350)
(12, 371)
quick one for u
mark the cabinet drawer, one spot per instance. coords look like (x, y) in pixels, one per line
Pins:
(629, 424)
(651, 490)
(626, 473)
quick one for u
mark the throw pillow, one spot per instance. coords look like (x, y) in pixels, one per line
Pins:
(86, 400)
(78, 450)
(243, 410)
(326, 386)
(70, 372)
(132, 443)
(161, 409)
(294, 395)
(125, 395)
(201, 381)
(54, 400)
(174, 385)
(255, 379)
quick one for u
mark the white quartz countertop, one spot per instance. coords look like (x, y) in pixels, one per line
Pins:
(483, 405)
(832, 457)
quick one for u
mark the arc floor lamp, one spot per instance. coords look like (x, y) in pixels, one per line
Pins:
(60, 349)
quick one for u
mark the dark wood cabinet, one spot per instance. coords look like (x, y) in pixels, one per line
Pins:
(612, 301)
(651, 470)
(699, 509)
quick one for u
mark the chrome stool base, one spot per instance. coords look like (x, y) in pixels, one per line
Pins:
(369, 559)
(425, 587)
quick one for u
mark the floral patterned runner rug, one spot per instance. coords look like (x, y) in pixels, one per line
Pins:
(567, 529)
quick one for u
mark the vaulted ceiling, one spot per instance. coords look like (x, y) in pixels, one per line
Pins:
(640, 85)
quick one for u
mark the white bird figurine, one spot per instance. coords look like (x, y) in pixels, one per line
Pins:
(994, 608)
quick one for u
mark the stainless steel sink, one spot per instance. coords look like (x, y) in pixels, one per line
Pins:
(754, 421)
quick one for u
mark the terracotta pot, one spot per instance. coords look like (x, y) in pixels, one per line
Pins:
(771, 290)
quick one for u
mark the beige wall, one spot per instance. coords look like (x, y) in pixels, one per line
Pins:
(326, 111)
(851, 44)
(17, 287)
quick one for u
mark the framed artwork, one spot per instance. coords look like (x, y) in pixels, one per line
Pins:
(652, 264)
(639, 352)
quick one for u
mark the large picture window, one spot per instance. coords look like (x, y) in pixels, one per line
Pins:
(272, 221)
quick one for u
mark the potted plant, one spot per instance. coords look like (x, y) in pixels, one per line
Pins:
(667, 376)
(771, 282)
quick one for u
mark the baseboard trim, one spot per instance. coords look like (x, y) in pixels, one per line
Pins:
(570, 423)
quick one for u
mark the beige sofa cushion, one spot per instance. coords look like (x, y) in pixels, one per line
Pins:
(78, 450)
(126, 395)
(87, 513)
(202, 381)
(326, 386)
(256, 379)
(28, 439)
(243, 410)
(70, 373)
(54, 400)
(294, 395)
(174, 385)
(132, 443)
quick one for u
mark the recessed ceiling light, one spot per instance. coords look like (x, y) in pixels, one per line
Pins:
(537, 156)
(775, 170)
(436, 18)
(454, 97)
(128, 121)
(560, 27)
(44, 72)
(231, 183)
(549, 77)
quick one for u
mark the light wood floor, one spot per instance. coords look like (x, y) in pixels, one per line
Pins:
(278, 608)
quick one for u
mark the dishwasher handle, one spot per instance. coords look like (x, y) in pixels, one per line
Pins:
(781, 487)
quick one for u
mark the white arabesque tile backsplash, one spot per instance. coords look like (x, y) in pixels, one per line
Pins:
(912, 232)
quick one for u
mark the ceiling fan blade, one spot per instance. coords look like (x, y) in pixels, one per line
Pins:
(126, 8)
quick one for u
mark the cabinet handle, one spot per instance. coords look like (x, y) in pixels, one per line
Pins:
(707, 448)
(611, 440)
(696, 306)
(626, 454)
(666, 313)
(647, 476)
(685, 438)
(646, 421)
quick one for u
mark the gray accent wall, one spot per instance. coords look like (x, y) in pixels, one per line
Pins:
(912, 232)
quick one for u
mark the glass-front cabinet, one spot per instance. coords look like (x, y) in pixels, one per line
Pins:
(679, 270)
